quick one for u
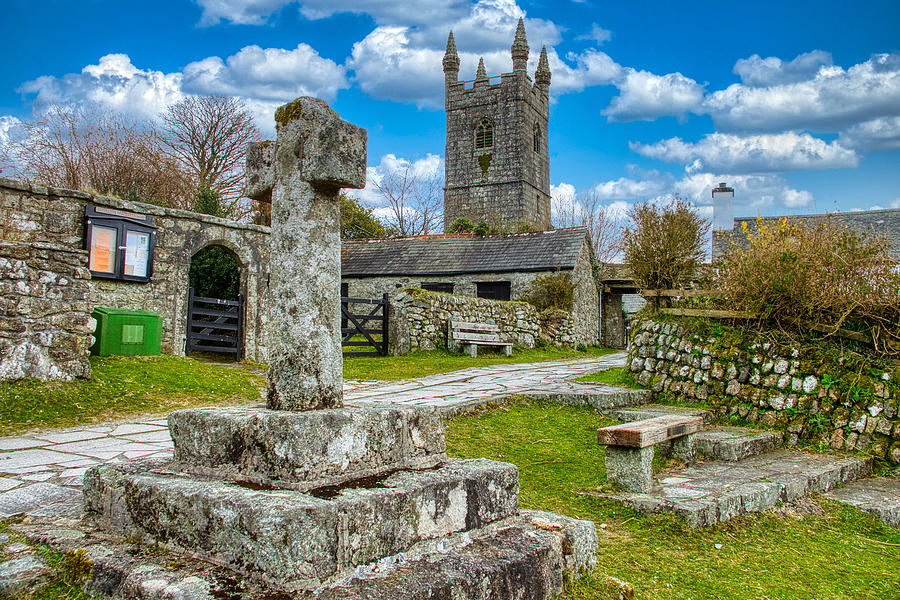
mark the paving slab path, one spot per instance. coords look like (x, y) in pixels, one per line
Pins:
(41, 472)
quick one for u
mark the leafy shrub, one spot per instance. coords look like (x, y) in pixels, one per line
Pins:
(214, 273)
(358, 222)
(208, 201)
(483, 228)
(461, 225)
(664, 245)
(554, 291)
(823, 274)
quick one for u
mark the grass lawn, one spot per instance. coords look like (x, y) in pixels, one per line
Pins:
(122, 387)
(841, 554)
(615, 376)
(420, 364)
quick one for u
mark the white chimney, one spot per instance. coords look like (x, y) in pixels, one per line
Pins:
(723, 208)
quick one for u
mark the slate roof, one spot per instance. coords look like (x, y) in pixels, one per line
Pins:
(461, 254)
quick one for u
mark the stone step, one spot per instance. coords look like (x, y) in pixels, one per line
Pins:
(307, 539)
(712, 492)
(651, 411)
(735, 443)
(879, 496)
(525, 556)
(305, 449)
(600, 396)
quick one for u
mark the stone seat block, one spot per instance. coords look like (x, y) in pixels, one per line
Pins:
(304, 538)
(302, 450)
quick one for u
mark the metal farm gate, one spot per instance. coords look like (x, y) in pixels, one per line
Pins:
(355, 325)
(215, 325)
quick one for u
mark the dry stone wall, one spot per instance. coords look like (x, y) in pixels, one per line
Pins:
(845, 402)
(33, 213)
(45, 321)
(419, 320)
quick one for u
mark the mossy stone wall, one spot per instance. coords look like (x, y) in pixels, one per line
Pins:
(815, 392)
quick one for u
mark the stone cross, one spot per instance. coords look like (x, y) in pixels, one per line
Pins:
(315, 155)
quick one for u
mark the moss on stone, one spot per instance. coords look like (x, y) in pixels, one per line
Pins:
(289, 112)
(266, 143)
(484, 161)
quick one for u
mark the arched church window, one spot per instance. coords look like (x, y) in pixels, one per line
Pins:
(484, 135)
(536, 142)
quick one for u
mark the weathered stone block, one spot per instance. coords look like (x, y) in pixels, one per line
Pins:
(310, 448)
(630, 467)
(300, 540)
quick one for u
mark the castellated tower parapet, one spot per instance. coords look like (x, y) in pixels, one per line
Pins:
(497, 161)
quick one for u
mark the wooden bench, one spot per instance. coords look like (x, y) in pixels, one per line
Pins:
(472, 335)
(629, 447)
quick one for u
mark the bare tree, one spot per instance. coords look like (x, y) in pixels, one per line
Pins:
(89, 149)
(603, 223)
(415, 199)
(208, 136)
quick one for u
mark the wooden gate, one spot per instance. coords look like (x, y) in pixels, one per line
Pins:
(356, 324)
(215, 325)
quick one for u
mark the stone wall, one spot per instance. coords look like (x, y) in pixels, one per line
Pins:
(833, 399)
(45, 306)
(36, 213)
(879, 222)
(419, 319)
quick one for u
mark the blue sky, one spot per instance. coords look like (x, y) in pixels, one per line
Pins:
(794, 104)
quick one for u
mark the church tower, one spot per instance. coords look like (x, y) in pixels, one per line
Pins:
(497, 163)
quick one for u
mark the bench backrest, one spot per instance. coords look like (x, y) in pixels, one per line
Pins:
(463, 331)
(640, 434)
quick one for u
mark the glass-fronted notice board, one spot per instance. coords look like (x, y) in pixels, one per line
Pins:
(120, 243)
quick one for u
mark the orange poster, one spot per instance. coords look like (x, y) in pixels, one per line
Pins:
(103, 243)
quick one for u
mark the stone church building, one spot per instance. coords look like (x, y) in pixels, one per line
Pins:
(497, 157)
(497, 170)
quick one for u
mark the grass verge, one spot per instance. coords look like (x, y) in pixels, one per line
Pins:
(122, 387)
(839, 554)
(420, 364)
(616, 376)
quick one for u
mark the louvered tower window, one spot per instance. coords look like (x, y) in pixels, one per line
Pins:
(484, 135)
(536, 142)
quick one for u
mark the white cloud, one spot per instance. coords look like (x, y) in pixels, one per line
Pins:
(431, 166)
(626, 188)
(787, 151)
(10, 131)
(645, 96)
(242, 12)
(833, 99)
(592, 67)
(878, 134)
(388, 67)
(267, 74)
(895, 203)
(113, 83)
(764, 72)
(751, 192)
(596, 34)
(263, 77)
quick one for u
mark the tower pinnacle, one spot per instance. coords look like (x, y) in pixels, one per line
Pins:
(451, 60)
(520, 48)
(481, 74)
(542, 74)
